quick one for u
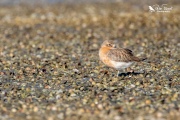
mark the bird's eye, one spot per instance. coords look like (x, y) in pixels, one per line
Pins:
(109, 45)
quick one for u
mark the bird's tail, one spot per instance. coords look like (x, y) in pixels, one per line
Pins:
(142, 59)
(137, 59)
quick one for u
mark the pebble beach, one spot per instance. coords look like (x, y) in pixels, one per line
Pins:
(50, 68)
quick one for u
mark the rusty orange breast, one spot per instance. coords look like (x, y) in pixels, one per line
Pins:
(103, 56)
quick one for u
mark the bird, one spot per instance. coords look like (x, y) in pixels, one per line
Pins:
(117, 58)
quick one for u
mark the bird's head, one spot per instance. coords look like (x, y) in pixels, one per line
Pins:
(108, 43)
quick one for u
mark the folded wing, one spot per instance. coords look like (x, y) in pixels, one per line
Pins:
(122, 55)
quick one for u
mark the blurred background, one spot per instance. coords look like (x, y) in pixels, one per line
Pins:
(16, 2)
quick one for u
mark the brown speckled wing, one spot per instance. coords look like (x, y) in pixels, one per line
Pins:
(122, 55)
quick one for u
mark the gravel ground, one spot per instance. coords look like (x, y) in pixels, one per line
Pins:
(50, 69)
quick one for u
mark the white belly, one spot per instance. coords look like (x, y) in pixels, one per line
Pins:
(121, 65)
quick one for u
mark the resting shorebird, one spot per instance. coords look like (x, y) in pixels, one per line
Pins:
(118, 58)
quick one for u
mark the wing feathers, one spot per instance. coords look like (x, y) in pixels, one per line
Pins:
(123, 55)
